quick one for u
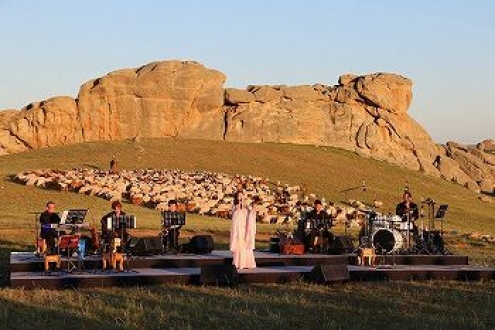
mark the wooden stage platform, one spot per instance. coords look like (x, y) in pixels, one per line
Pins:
(26, 270)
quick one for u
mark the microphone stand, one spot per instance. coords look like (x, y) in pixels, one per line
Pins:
(408, 231)
(345, 191)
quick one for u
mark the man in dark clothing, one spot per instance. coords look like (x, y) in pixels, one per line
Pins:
(407, 208)
(408, 211)
(48, 220)
(171, 232)
(319, 237)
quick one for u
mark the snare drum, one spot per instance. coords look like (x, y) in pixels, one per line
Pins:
(395, 218)
(380, 222)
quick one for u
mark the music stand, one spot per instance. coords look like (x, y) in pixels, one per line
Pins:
(124, 222)
(173, 219)
(73, 217)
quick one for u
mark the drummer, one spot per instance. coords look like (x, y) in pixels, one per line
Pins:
(108, 233)
(408, 210)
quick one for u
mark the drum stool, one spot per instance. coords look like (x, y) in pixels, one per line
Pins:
(113, 258)
(367, 256)
(50, 259)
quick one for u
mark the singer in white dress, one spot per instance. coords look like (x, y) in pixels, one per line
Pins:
(242, 234)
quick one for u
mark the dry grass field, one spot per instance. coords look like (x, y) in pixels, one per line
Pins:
(321, 170)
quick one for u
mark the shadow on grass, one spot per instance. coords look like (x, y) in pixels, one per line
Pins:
(28, 315)
(92, 166)
(6, 247)
(306, 306)
(11, 178)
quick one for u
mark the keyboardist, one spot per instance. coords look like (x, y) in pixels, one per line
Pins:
(49, 220)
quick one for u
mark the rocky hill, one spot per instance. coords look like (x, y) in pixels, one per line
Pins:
(366, 114)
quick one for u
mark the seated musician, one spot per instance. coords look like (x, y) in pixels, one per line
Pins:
(109, 230)
(408, 211)
(47, 218)
(320, 236)
(171, 233)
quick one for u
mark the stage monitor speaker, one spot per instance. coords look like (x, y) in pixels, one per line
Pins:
(330, 273)
(146, 246)
(219, 275)
(202, 244)
(341, 245)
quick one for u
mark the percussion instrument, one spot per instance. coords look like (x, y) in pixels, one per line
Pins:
(384, 224)
(403, 226)
(395, 218)
(388, 240)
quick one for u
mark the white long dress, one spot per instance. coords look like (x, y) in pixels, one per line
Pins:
(242, 237)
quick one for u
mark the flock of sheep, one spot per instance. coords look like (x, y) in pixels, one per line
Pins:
(198, 192)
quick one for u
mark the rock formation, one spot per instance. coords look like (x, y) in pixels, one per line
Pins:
(366, 114)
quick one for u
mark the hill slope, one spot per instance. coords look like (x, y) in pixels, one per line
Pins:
(323, 170)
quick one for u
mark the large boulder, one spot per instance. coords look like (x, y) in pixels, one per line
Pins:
(487, 145)
(49, 123)
(160, 99)
(386, 91)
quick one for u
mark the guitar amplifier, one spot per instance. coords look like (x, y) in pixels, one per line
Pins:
(296, 249)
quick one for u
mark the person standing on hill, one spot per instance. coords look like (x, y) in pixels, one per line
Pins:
(242, 233)
(113, 164)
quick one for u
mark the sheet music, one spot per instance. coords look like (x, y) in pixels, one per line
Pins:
(63, 218)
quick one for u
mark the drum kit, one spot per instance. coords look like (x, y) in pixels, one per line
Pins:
(393, 234)
(387, 234)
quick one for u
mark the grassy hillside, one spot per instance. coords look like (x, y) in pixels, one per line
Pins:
(321, 170)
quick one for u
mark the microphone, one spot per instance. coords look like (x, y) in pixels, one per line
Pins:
(363, 185)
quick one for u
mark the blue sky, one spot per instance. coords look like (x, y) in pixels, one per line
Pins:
(447, 48)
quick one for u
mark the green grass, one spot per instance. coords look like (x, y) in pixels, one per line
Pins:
(424, 305)
(321, 170)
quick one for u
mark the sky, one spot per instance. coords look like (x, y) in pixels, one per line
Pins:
(446, 47)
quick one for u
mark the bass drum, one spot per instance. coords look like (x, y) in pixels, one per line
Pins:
(387, 240)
